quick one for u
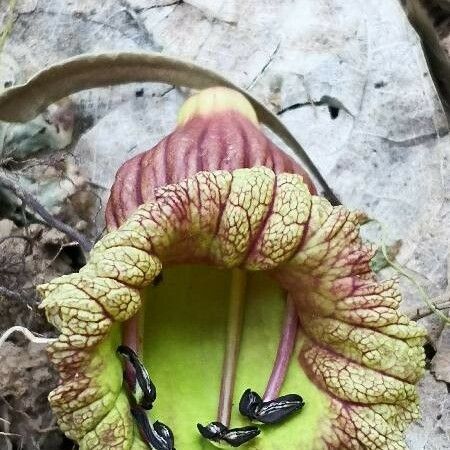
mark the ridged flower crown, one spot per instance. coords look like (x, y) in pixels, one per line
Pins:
(219, 193)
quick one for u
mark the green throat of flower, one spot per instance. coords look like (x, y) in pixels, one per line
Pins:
(194, 352)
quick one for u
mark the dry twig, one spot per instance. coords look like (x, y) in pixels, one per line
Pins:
(11, 184)
(420, 313)
(8, 293)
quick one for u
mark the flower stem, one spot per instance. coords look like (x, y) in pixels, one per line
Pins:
(284, 352)
(132, 337)
(234, 332)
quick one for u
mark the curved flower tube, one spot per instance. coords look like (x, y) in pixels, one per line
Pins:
(218, 193)
(217, 129)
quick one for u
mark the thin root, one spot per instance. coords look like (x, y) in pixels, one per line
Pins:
(27, 333)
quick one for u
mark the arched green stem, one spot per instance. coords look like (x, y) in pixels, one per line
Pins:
(284, 352)
(24, 102)
(234, 332)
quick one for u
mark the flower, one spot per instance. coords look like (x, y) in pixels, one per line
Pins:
(240, 235)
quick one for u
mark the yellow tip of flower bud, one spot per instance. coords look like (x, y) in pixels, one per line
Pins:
(213, 100)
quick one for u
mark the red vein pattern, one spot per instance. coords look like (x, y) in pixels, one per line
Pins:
(360, 351)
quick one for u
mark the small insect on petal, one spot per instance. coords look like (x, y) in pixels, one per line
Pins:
(164, 436)
(238, 436)
(159, 436)
(273, 411)
(145, 383)
(276, 410)
(218, 432)
(250, 403)
(213, 431)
